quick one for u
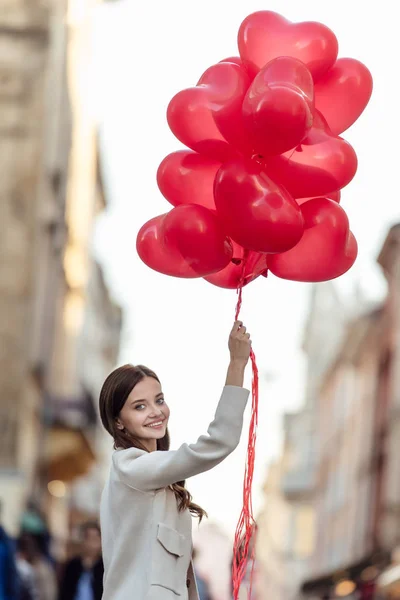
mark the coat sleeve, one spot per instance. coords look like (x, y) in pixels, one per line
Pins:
(149, 471)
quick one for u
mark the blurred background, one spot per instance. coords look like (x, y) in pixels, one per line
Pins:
(84, 87)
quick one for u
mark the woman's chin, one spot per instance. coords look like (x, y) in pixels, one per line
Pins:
(156, 434)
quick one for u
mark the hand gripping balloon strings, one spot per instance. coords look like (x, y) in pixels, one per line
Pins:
(244, 546)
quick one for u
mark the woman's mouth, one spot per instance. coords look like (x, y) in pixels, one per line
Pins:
(156, 424)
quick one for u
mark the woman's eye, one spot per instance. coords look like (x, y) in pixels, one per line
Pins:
(139, 406)
(160, 401)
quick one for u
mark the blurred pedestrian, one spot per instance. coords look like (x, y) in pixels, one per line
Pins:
(202, 586)
(8, 569)
(146, 509)
(34, 522)
(27, 589)
(44, 574)
(82, 578)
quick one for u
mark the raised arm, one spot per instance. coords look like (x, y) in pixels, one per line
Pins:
(154, 470)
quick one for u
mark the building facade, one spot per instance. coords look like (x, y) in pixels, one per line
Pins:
(347, 463)
(35, 132)
(273, 546)
(59, 326)
(287, 524)
(357, 489)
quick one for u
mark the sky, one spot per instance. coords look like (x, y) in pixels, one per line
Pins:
(145, 52)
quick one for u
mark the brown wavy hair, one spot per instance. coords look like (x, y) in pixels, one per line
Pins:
(113, 395)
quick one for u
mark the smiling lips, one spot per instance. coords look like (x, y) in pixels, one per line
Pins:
(156, 424)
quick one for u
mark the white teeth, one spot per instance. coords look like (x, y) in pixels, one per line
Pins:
(155, 424)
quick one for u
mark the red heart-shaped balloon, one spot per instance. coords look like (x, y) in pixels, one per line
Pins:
(256, 212)
(185, 177)
(279, 105)
(186, 242)
(151, 248)
(236, 274)
(343, 93)
(265, 35)
(196, 233)
(233, 59)
(327, 249)
(208, 118)
(324, 163)
(335, 196)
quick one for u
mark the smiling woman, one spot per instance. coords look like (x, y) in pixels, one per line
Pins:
(145, 414)
(146, 508)
(130, 404)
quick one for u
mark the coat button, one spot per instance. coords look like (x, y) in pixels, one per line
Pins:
(187, 583)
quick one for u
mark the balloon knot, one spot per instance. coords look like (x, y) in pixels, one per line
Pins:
(258, 158)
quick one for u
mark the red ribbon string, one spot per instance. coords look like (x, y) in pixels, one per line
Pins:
(244, 544)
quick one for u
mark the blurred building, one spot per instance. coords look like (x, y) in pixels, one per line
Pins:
(286, 529)
(287, 523)
(357, 495)
(59, 326)
(213, 559)
(331, 523)
(272, 549)
(347, 460)
(387, 426)
(35, 130)
(97, 354)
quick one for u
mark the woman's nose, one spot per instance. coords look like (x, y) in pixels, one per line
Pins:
(156, 412)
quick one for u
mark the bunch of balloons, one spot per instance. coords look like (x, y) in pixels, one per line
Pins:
(258, 188)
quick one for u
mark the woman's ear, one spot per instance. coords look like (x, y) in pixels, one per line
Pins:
(119, 425)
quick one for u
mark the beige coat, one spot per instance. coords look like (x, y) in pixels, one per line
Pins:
(147, 542)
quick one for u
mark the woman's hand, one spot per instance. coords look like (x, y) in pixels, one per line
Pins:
(239, 348)
(239, 343)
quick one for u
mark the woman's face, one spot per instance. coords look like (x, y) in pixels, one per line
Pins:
(145, 414)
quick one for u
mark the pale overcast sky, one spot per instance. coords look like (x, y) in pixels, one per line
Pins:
(145, 53)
